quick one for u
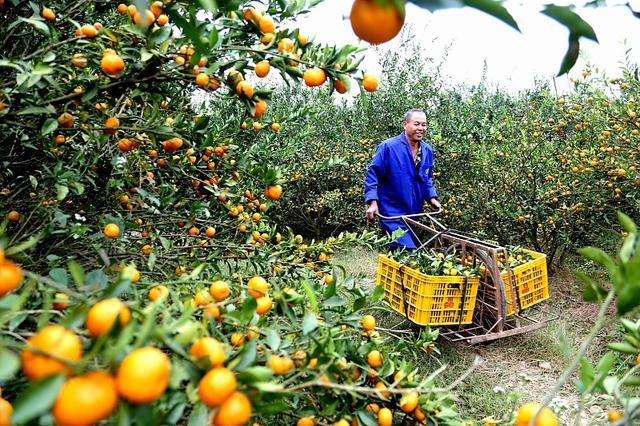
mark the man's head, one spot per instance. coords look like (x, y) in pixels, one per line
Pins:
(415, 125)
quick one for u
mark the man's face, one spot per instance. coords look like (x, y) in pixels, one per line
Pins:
(415, 127)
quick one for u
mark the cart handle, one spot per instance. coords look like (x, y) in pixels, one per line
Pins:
(426, 214)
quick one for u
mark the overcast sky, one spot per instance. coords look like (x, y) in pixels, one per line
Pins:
(514, 59)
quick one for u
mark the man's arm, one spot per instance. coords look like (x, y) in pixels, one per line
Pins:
(432, 195)
(375, 171)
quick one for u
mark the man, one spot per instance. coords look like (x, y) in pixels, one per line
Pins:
(398, 181)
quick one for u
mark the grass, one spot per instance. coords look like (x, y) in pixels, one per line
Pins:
(514, 369)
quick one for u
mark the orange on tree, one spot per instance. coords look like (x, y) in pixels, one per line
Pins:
(112, 64)
(305, 421)
(102, 316)
(193, 231)
(156, 8)
(122, 8)
(368, 322)
(527, 412)
(48, 14)
(157, 292)
(237, 339)
(143, 375)
(209, 347)
(220, 290)
(409, 402)
(285, 45)
(280, 364)
(245, 89)
(111, 124)
(341, 422)
(202, 298)
(275, 127)
(262, 68)
(79, 60)
(111, 230)
(172, 145)
(53, 340)
(260, 108)
(5, 412)
(10, 275)
(210, 232)
(234, 411)
(61, 301)
(273, 192)
(340, 86)
(614, 415)
(86, 399)
(267, 25)
(385, 417)
(419, 414)
(257, 286)
(162, 20)
(66, 120)
(314, 77)
(374, 21)
(370, 82)
(216, 386)
(88, 30)
(202, 79)
(144, 19)
(132, 272)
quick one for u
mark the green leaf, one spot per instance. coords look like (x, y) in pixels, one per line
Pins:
(77, 273)
(9, 364)
(160, 35)
(199, 415)
(213, 38)
(25, 245)
(495, 9)
(62, 191)
(600, 257)
(247, 356)
(42, 69)
(333, 302)
(145, 55)
(586, 372)
(49, 126)
(209, 5)
(255, 374)
(39, 25)
(378, 294)
(567, 17)
(310, 294)
(273, 339)
(189, 29)
(624, 348)
(37, 399)
(59, 275)
(274, 407)
(366, 418)
(627, 223)
(309, 322)
(592, 291)
(34, 111)
(570, 57)
(605, 363)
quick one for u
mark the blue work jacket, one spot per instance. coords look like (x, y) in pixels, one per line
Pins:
(400, 187)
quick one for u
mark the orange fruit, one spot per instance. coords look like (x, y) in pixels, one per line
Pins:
(302, 40)
(102, 316)
(65, 120)
(111, 230)
(314, 77)
(368, 322)
(216, 386)
(374, 359)
(5, 412)
(305, 421)
(10, 275)
(409, 402)
(122, 8)
(614, 415)
(264, 305)
(257, 286)
(237, 339)
(260, 108)
(145, 19)
(157, 292)
(285, 45)
(79, 60)
(210, 232)
(172, 145)
(219, 290)
(527, 411)
(162, 20)
(193, 231)
(370, 82)
(209, 347)
(374, 22)
(341, 422)
(85, 400)
(53, 340)
(340, 86)
(61, 301)
(280, 364)
(111, 124)
(132, 272)
(88, 30)
(112, 65)
(48, 14)
(234, 411)
(273, 192)
(385, 417)
(143, 375)
(202, 79)
(263, 68)
(257, 126)
(245, 89)
(275, 127)
(156, 8)
(267, 25)
(419, 414)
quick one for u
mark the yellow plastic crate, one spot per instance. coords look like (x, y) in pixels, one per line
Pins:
(531, 283)
(430, 300)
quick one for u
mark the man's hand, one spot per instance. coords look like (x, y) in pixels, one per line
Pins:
(435, 203)
(372, 211)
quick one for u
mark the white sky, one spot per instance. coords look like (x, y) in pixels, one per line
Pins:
(514, 59)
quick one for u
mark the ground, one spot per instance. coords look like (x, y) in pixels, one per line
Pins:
(514, 369)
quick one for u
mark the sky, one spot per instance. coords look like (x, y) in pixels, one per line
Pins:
(514, 59)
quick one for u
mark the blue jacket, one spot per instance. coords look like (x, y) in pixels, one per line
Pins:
(393, 181)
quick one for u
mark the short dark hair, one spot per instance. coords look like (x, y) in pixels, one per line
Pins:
(408, 114)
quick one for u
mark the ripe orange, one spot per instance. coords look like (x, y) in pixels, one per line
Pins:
(305, 421)
(273, 192)
(368, 322)
(54, 340)
(264, 305)
(5, 410)
(219, 290)
(111, 230)
(285, 45)
(409, 402)
(112, 65)
(132, 272)
(340, 86)
(419, 414)
(162, 20)
(341, 422)
(280, 364)
(103, 314)
(202, 79)
(374, 359)
(85, 400)
(10, 275)
(144, 19)
(172, 145)
(157, 292)
(210, 232)
(527, 411)
(267, 38)
(613, 415)
(374, 22)
(370, 82)
(275, 127)
(156, 8)
(111, 124)
(216, 386)
(260, 108)
(385, 417)
(48, 14)
(314, 77)
(193, 231)
(245, 89)
(61, 301)
(267, 25)
(263, 68)
(209, 347)
(65, 120)
(234, 411)
(257, 125)
(88, 30)
(302, 40)
(237, 339)
(79, 60)
(122, 8)
(257, 286)
(143, 375)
